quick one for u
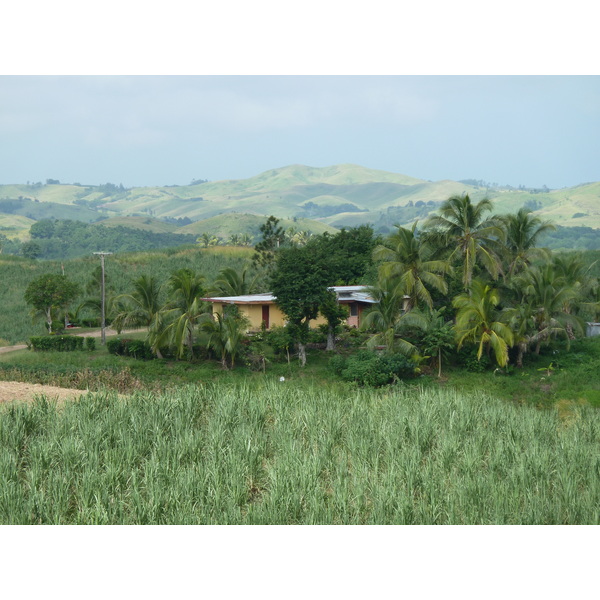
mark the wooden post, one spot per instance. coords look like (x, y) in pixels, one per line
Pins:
(103, 322)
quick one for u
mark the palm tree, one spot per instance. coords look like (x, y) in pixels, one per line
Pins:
(234, 239)
(462, 228)
(139, 309)
(550, 295)
(387, 318)
(521, 320)
(232, 283)
(406, 260)
(439, 337)
(206, 240)
(246, 239)
(182, 313)
(226, 333)
(523, 231)
(477, 320)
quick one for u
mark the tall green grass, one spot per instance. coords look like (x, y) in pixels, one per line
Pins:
(268, 453)
(121, 269)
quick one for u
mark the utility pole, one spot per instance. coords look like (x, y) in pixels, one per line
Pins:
(102, 255)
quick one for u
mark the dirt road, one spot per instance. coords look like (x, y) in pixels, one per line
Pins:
(16, 391)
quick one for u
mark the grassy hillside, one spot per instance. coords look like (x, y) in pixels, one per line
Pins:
(59, 194)
(142, 223)
(15, 226)
(227, 224)
(340, 196)
(37, 210)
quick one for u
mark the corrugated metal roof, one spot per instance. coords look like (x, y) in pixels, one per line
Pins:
(249, 299)
(349, 293)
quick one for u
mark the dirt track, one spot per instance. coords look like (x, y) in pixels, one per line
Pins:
(13, 390)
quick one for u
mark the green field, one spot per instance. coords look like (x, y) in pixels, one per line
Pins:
(121, 269)
(283, 453)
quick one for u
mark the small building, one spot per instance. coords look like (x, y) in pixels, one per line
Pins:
(262, 308)
(592, 329)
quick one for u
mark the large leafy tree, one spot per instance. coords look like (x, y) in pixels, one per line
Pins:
(478, 321)
(300, 283)
(348, 254)
(471, 238)
(406, 260)
(50, 292)
(335, 313)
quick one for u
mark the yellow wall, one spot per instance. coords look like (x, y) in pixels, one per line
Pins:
(253, 312)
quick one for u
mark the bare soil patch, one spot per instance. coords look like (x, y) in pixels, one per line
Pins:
(11, 391)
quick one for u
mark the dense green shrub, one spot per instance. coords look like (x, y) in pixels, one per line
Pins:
(351, 337)
(90, 344)
(467, 358)
(318, 336)
(370, 369)
(280, 340)
(139, 349)
(58, 326)
(58, 343)
(94, 322)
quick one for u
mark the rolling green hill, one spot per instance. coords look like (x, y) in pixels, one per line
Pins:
(15, 226)
(337, 196)
(225, 225)
(141, 223)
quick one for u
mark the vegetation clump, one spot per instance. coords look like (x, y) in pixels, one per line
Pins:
(57, 343)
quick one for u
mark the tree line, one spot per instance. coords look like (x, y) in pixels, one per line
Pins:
(465, 278)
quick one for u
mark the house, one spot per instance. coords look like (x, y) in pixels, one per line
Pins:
(262, 308)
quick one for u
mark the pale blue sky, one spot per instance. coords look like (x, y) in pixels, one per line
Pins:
(158, 130)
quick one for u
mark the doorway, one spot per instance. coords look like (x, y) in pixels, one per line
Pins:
(265, 315)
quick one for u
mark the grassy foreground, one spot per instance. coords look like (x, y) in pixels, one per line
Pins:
(264, 452)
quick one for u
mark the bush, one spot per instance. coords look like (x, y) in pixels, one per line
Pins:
(351, 337)
(90, 344)
(57, 343)
(467, 358)
(370, 369)
(58, 326)
(318, 336)
(95, 322)
(280, 340)
(134, 348)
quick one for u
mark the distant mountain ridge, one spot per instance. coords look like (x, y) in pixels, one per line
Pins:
(314, 198)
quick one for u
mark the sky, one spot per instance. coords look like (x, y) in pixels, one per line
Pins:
(169, 129)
